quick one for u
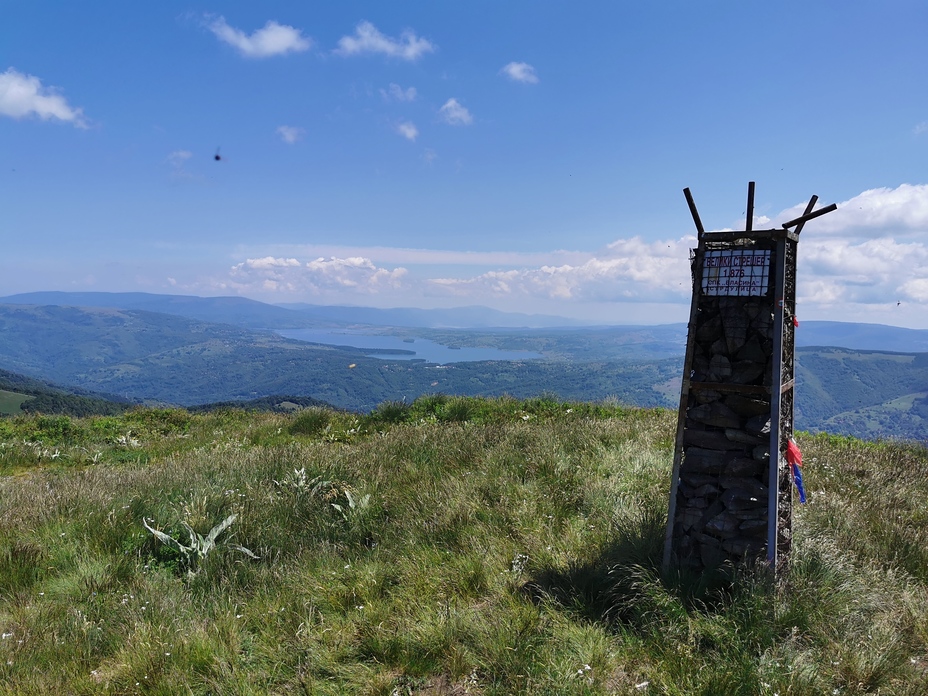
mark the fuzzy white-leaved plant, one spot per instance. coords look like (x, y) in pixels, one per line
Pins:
(200, 545)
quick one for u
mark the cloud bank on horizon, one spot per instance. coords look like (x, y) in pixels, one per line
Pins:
(841, 263)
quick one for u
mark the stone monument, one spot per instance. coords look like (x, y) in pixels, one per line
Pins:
(731, 488)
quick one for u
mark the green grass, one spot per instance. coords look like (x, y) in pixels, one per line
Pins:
(443, 546)
(10, 402)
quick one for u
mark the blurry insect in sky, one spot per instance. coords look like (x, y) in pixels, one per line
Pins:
(217, 156)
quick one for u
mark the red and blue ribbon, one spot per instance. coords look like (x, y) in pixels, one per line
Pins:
(794, 457)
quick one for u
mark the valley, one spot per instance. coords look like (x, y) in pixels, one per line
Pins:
(233, 350)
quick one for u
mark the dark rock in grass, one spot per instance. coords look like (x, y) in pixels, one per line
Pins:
(746, 406)
(707, 396)
(755, 527)
(702, 461)
(696, 480)
(716, 414)
(707, 491)
(742, 437)
(751, 485)
(700, 368)
(723, 525)
(753, 351)
(746, 372)
(710, 551)
(710, 330)
(759, 425)
(743, 546)
(736, 499)
(752, 514)
(763, 323)
(751, 308)
(710, 440)
(719, 369)
(708, 513)
(742, 466)
(719, 347)
(688, 516)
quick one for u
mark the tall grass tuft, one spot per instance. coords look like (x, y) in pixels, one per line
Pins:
(310, 421)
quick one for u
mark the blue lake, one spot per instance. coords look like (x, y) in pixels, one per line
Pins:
(422, 349)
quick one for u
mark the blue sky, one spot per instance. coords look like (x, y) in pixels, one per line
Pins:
(528, 156)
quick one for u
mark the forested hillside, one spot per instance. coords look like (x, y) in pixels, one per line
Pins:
(167, 359)
(36, 396)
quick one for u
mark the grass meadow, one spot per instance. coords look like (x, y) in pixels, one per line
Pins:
(11, 401)
(448, 546)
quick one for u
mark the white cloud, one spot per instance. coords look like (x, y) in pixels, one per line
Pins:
(915, 289)
(429, 156)
(407, 130)
(860, 261)
(354, 275)
(397, 93)
(24, 95)
(921, 128)
(455, 114)
(422, 257)
(520, 72)
(627, 270)
(269, 262)
(887, 210)
(178, 161)
(367, 39)
(871, 266)
(835, 272)
(179, 157)
(272, 40)
(290, 134)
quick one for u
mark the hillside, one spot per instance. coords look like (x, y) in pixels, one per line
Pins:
(449, 546)
(176, 360)
(21, 394)
(864, 393)
(164, 358)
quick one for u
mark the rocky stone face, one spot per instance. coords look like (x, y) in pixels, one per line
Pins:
(722, 493)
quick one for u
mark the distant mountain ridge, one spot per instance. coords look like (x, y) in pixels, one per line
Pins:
(862, 336)
(238, 311)
(251, 314)
(473, 317)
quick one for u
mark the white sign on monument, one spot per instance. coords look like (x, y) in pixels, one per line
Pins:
(738, 272)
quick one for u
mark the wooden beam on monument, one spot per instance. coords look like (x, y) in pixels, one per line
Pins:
(700, 231)
(803, 219)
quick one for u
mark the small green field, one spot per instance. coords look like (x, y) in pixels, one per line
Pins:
(11, 401)
(447, 546)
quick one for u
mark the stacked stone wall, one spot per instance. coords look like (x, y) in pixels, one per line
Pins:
(722, 492)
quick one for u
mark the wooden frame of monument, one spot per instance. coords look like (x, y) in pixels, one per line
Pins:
(735, 417)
